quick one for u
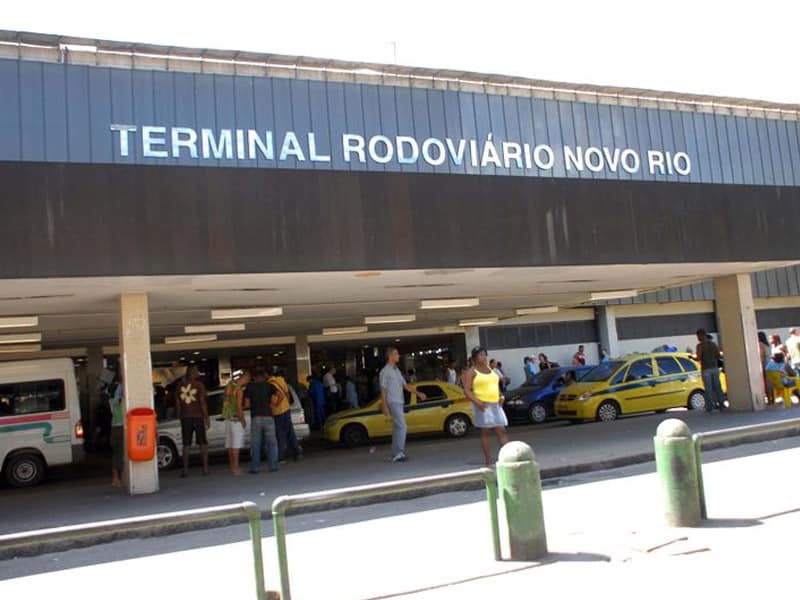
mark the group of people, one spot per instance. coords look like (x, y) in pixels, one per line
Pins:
(780, 364)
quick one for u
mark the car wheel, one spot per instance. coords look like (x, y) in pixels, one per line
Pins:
(697, 400)
(166, 454)
(537, 413)
(24, 470)
(457, 425)
(608, 411)
(354, 435)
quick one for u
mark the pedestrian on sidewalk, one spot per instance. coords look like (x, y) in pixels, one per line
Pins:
(282, 413)
(764, 354)
(258, 395)
(316, 392)
(709, 356)
(452, 374)
(793, 346)
(192, 410)
(393, 402)
(117, 437)
(579, 358)
(235, 422)
(482, 386)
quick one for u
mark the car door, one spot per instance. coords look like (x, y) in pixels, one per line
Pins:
(428, 415)
(673, 383)
(216, 433)
(639, 387)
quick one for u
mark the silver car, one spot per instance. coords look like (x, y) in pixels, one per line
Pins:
(169, 431)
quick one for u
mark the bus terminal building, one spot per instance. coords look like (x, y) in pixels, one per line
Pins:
(161, 204)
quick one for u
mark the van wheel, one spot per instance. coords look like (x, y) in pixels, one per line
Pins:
(354, 435)
(24, 470)
(166, 454)
(608, 411)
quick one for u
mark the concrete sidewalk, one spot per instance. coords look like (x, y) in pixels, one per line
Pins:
(605, 540)
(561, 449)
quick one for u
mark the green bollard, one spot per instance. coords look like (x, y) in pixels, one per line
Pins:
(520, 490)
(676, 464)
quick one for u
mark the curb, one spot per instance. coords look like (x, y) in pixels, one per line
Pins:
(8, 552)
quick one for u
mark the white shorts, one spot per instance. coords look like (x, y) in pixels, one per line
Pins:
(234, 434)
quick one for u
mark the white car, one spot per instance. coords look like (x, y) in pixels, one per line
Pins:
(169, 432)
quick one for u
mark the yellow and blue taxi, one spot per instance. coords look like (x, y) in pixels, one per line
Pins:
(634, 384)
(445, 409)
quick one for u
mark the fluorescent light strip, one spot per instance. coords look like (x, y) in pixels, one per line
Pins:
(21, 338)
(449, 303)
(6, 322)
(247, 313)
(537, 310)
(214, 328)
(344, 330)
(379, 320)
(20, 348)
(189, 339)
(477, 322)
(613, 295)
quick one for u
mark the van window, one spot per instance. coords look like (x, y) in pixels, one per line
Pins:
(32, 397)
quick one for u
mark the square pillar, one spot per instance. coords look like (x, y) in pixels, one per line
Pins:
(736, 318)
(607, 330)
(472, 338)
(140, 477)
(303, 358)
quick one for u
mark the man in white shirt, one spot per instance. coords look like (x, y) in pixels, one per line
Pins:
(793, 345)
(452, 375)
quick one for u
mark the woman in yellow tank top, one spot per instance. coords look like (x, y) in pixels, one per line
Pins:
(482, 386)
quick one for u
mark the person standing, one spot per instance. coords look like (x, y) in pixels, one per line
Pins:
(452, 374)
(708, 355)
(192, 410)
(316, 392)
(258, 394)
(351, 392)
(235, 422)
(482, 386)
(282, 414)
(331, 391)
(764, 353)
(393, 402)
(544, 362)
(117, 436)
(579, 358)
(776, 345)
(793, 346)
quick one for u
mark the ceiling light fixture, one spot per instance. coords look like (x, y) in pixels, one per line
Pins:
(537, 310)
(189, 339)
(7, 322)
(214, 328)
(246, 313)
(20, 348)
(449, 303)
(477, 322)
(21, 338)
(382, 319)
(613, 295)
(344, 330)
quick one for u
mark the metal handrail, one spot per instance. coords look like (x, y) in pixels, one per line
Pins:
(78, 536)
(435, 484)
(734, 436)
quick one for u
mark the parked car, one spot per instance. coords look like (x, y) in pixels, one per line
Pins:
(535, 402)
(169, 432)
(634, 384)
(445, 409)
(40, 418)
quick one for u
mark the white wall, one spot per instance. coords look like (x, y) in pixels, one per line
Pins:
(512, 358)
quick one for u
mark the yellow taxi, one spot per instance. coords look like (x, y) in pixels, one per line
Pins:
(445, 409)
(634, 384)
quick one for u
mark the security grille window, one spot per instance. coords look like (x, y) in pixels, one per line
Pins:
(641, 369)
(432, 393)
(667, 365)
(32, 397)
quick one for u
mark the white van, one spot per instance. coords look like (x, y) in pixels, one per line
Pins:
(40, 418)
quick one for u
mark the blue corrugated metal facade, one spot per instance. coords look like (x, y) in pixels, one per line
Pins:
(63, 113)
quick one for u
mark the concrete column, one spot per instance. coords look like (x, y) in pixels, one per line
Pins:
(607, 329)
(95, 362)
(302, 357)
(472, 337)
(736, 317)
(139, 477)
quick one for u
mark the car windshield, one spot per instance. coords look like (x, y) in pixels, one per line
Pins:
(603, 371)
(543, 378)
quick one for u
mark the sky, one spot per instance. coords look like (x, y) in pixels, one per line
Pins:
(736, 48)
